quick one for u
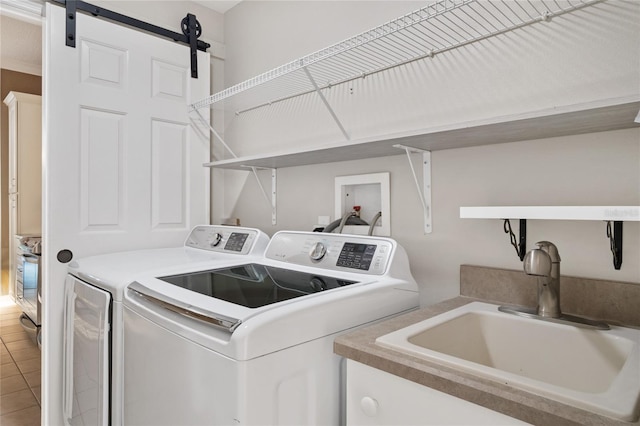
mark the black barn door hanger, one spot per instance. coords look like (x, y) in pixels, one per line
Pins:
(191, 29)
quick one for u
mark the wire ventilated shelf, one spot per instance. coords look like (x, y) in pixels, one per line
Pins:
(433, 29)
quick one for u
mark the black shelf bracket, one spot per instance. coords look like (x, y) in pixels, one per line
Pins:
(191, 28)
(520, 243)
(615, 241)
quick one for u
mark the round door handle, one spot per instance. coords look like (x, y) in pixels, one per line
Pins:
(64, 256)
(369, 406)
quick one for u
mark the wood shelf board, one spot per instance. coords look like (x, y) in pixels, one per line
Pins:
(606, 115)
(605, 213)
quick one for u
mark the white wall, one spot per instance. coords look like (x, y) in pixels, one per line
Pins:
(600, 168)
(575, 58)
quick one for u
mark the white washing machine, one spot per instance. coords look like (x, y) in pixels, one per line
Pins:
(252, 343)
(93, 349)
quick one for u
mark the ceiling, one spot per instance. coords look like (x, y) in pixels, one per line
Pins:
(20, 46)
(220, 6)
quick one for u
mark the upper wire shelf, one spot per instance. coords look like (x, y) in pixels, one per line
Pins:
(433, 29)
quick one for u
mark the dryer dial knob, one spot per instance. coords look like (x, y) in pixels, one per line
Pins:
(215, 239)
(317, 251)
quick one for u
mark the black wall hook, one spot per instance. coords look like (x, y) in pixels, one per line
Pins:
(520, 244)
(615, 240)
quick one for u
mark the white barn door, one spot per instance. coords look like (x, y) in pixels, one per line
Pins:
(122, 162)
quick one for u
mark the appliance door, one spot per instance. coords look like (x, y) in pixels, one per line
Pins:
(28, 285)
(18, 277)
(87, 342)
(170, 379)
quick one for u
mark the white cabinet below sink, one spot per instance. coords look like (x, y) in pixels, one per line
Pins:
(375, 397)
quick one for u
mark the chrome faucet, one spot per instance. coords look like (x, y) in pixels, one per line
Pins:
(544, 263)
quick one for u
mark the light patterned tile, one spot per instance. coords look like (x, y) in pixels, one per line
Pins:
(11, 328)
(12, 384)
(37, 391)
(10, 315)
(5, 357)
(11, 309)
(16, 401)
(21, 344)
(4, 322)
(26, 354)
(8, 370)
(33, 379)
(26, 417)
(28, 366)
(14, 337)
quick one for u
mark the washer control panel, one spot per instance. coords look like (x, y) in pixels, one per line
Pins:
(357, 256)
(338, 252)
(223, 239)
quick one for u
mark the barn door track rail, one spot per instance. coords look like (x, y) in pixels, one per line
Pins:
(191, 28)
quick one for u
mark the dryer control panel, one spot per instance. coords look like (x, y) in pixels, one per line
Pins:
(226, 239)
(338, 252)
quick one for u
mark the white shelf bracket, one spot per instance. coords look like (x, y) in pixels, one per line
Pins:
(216, 134)
(273, 199)
(425, 192)
(326, 103)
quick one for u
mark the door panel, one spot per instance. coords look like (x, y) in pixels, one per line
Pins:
(122, 160)
(102, 195)
(103, 65)
(169, 194)
(169, 81)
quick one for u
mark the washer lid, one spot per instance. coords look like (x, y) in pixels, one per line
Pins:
(254, 285)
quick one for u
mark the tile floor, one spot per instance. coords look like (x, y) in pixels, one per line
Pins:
(19, 370)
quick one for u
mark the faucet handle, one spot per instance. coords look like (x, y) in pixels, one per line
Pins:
(537, 262)
(551, 249)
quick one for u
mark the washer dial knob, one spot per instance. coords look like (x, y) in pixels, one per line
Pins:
(317, 251)
(215, 239)
(317, 284)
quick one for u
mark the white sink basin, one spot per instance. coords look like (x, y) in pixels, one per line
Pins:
(597, 370)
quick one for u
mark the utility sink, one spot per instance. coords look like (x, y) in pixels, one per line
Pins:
(596, 370)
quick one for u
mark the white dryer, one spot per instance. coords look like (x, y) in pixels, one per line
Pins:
(93, 348)
(252, 343)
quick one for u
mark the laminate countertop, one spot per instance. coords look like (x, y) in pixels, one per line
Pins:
(360, 346)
